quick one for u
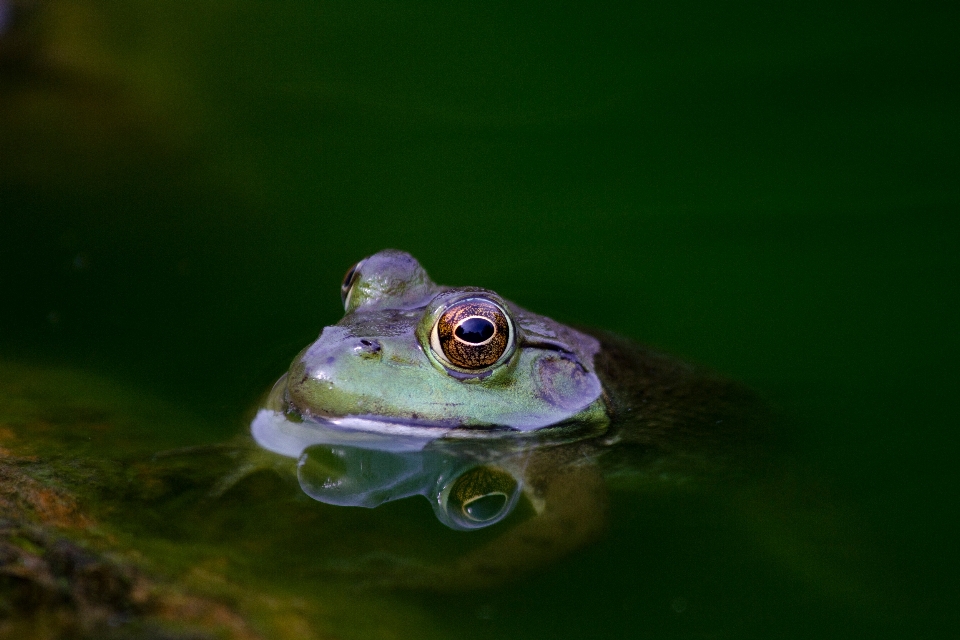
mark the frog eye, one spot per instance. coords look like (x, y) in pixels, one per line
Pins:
(481, 496)
(349, 279)
(472, 334)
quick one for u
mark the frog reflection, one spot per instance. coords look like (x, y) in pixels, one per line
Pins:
(469, 484)
(468, 399)
(465, 493)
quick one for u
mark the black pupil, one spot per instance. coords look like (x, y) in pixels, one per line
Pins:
(475, 330)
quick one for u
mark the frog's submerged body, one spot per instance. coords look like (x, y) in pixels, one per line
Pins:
(471, 401)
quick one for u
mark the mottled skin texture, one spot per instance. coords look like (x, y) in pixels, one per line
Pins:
(378, 362)
(567, 408)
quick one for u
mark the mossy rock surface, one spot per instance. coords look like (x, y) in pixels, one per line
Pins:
(111, 528)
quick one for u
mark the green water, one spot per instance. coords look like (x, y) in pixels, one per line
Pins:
(769, 190)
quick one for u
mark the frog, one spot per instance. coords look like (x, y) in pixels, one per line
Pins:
(464, 397)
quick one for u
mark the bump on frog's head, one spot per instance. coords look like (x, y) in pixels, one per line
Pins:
(388, 279)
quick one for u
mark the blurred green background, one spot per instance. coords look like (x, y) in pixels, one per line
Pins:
(769, 189)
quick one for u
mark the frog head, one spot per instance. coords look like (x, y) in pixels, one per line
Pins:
(409, 353)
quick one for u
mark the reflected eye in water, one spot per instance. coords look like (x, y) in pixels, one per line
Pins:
(472, 334)
(478, 498)
(349, 279)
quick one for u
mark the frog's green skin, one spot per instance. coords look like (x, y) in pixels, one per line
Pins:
(559, 413)
(377, 363)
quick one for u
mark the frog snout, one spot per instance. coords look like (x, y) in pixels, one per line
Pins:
(331, 377)
(325, 362)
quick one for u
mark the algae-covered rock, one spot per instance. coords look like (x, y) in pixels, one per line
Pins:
(63, 573)
(101, 538)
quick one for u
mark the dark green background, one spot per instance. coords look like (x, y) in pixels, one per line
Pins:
(767, 188)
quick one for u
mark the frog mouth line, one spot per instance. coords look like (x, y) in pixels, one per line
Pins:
(382, 424)
(275, 431)
(278, 402)
(398, 426)
(404, 427)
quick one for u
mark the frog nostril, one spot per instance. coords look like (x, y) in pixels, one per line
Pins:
(367, 348)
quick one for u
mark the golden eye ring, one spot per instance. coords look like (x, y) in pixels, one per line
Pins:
(472, 334)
